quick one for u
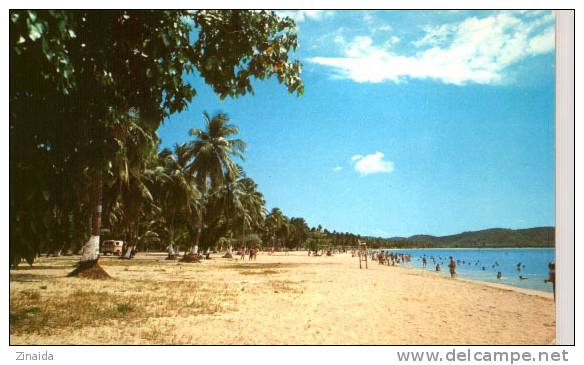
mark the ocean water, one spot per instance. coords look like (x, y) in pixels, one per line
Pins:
(475, 259)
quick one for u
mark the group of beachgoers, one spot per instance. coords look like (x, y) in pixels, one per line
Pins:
(391, 259)
(251, 253)
(452, 263)
(327, 252)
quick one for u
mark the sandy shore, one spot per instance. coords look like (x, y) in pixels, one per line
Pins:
(294, 299)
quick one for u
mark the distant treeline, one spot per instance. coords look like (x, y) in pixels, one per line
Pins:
(494, 237)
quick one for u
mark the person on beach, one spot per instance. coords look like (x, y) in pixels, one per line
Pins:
(552, 277)
(242, 253)
(452, 267)
(381, 258)
(437, 267)
(424, 261)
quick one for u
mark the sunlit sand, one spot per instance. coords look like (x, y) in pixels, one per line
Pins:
(280, 299)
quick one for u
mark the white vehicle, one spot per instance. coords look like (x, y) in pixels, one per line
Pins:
(112, 247)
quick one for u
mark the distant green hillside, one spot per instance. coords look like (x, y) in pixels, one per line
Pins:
(494, 237)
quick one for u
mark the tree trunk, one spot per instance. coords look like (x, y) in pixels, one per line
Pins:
(91, 247)
(170, 248)
(199, 228)
(64, 231)
(194, 250)
(88, 266)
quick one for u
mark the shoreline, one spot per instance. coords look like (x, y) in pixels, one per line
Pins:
(489, 283)
(501, 286)
(475, 274)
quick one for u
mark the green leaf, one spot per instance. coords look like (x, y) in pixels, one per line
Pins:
(35, 32)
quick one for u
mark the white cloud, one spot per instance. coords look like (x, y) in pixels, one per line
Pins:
(477, 50)
(301, 15)
(434, 35)
(371, 164)
(544, 42)
(373, 23)
(337, 168)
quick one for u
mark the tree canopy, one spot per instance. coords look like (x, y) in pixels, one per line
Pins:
(88, 90)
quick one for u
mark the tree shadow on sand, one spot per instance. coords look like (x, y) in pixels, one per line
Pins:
(26, 277)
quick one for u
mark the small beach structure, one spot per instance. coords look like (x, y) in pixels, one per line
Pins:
(363, 255)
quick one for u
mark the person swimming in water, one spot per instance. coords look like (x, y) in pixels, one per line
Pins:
(437, 267)
(424, 262)
(499, 275)
(521, 277)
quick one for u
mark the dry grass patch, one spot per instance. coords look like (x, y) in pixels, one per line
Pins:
(31, 312)
(42, 267)
(60, 260)
(134, 262)
(286, 286)
(262, 272)
(44, 313)
(155, 336)
(25, 277)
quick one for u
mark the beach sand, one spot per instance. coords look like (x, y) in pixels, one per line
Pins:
(280, 299)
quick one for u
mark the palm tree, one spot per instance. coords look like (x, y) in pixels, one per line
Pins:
(248, 205)
(299, 231)
(237, 209)
(176, 194)
(122, 152)
(210, 159)
(277, 224)
(127, 188)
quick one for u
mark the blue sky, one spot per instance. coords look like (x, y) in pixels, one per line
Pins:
(412, 122)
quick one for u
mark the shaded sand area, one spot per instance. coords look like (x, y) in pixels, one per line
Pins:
(294, 299)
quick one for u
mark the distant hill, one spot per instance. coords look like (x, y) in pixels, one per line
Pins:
(494, 237)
